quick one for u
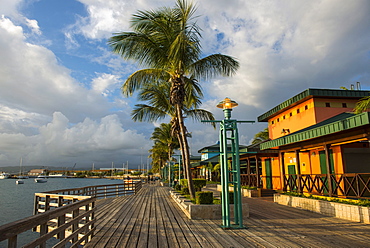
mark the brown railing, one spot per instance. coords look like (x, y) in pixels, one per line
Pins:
(103, 191)
(67, 215)
(356, 185)
(248, 180)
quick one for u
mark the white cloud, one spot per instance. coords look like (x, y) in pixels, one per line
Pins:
(58, 143)
(283, 47)
(105, 83)
(33, 81)
(33, 25)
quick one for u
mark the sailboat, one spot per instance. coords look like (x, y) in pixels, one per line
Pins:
(19, 180)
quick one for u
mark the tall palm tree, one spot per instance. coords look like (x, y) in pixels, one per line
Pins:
(158, 106)
(167, 42)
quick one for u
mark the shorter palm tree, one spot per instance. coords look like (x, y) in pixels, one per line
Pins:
(362, 105)
(261, 136)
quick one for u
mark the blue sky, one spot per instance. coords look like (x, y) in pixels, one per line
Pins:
(60, 100)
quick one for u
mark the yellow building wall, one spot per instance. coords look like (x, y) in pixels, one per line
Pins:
(306, 114)
(292, 120)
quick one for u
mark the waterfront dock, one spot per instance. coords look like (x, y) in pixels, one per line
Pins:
(152, 219)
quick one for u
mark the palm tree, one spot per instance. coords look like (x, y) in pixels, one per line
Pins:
(362, 105)
(261, 136)
(158, 106)
(158, 154)
(164, 141)
(167, 42)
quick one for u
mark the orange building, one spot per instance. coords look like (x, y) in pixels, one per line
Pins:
(317, 145)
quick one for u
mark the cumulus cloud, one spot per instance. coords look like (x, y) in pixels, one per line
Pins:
(59, 143)
(49, 118)
(283, 48)
(105, 83)
(32, 79)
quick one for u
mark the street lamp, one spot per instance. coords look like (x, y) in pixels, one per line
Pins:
(229, 147)
(227, 104)
(229, 137)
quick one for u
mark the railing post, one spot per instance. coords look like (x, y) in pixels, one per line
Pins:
(75, 213)
(12, 242)
(43, 231)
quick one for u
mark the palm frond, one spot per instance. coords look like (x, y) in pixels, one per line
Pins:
(143, 112)
(362, 105)
(214, 65)
(200, 115)
(143, 77)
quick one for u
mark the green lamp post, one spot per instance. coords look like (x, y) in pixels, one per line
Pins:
(229, 147)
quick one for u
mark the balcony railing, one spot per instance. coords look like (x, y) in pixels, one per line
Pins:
(355, 185)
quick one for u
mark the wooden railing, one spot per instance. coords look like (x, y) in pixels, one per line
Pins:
(102, 191)
(67, 215)
(248, 180)
(356, 185)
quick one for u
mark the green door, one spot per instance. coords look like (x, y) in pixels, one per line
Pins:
(323, 162)
(268, 173)
(323, 167)
(292, 177)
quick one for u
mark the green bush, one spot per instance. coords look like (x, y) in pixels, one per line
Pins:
(177, 187)
(185, 190)
(199, 183)
(204, 197)
(184, 182)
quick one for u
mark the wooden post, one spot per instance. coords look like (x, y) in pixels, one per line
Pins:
(299, 176)
(282, 171)
(258, 173)
(328, 170)
(249, 172)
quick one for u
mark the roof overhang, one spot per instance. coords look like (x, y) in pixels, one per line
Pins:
(309, 93)
(347, 124)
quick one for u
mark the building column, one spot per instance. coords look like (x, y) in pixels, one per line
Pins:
(299, 175)
(258, 174)
(249, 171)
(282, 171)
(328, 170)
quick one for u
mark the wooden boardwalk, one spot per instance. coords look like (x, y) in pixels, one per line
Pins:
(152, 219)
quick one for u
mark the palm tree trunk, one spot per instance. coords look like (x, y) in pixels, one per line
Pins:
(182, 153)
(185, 146)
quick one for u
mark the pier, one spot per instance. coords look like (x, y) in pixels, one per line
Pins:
(150, 218)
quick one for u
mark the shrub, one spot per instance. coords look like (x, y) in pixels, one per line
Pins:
(177, 187)
(204, 197)
(198, 183)
(185, 190)
(184, 182)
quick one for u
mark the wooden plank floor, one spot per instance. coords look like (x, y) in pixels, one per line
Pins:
(152, 219)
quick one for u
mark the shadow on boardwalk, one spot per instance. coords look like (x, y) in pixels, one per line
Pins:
(152, 219)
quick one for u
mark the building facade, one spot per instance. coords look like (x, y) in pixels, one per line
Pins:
(317, 145)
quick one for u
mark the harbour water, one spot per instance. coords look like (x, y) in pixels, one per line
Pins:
(16, 200)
